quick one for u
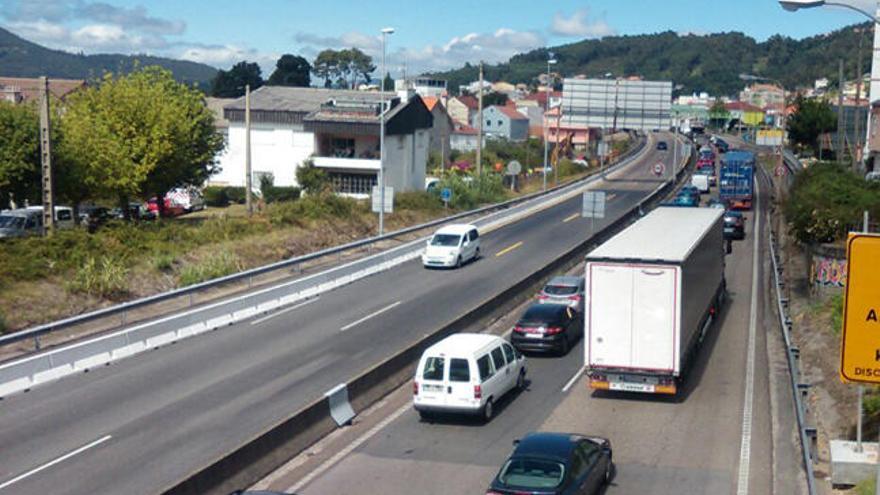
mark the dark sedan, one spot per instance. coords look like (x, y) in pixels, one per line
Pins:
(555, 463)
(547, 328)
(734, 225)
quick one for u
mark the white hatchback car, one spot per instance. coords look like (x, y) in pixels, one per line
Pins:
(467, 373)
(452, 246)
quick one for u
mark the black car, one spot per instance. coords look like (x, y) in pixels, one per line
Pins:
(662, 146)
(734, 225)
(547, 327)
(555, 463)
(94, 216)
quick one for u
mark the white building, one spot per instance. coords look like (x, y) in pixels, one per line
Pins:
(423, 86)
(338, 129)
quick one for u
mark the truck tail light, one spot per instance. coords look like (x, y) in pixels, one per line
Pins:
(478, 392)
(415, 388)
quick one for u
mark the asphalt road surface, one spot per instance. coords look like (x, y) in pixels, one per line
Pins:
(691, 444)
(146, 422)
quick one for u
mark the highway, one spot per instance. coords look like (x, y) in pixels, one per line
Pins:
(690, 444)
(144, 423)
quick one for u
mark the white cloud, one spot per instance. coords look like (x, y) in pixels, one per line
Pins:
(578, 25)
(471, 47)
(225, 56)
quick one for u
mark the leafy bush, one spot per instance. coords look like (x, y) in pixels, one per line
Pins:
(471, 192)
(312, 179)
(235, 194)
(102, 277)
(275, 194)
(835, 304)
(417, 201)
(3, 327)
(311, 208)
(216, 196)
(827, 199)
(215, 266)
(567, 168)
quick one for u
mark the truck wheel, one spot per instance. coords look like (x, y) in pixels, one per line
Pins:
(488, 411)
(425, 416)
(458, 262)
(477, 255)
(521, 380)
(608, 473)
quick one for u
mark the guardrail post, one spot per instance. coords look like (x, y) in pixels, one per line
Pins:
(36, 342)
(190, 299)
(250, 281)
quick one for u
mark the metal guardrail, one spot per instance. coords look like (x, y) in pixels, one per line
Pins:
(799, 389)
(121, 309)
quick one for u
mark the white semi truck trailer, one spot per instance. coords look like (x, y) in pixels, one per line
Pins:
(653, 290)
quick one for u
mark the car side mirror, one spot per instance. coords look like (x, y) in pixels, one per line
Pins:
(428, 242)
(515, 442)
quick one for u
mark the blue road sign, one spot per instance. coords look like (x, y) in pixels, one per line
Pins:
(446, 194)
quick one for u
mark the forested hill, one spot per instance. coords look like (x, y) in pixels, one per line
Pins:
(709, 63)
(22, 58)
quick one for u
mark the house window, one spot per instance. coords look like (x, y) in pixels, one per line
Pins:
(500, 123)
(348, 183)
(488, 123)
(342, 147)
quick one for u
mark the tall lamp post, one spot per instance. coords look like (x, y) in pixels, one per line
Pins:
(385, 33)
(794, 5)
(550, 61)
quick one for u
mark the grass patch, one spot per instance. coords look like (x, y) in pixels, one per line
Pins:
(103, 277)
(867, 487)
(2, 324)
(163, 262)
(222, 264)
(418, 201)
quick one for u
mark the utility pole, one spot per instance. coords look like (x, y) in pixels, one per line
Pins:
(248, 179)
(857, 148)
(480, 125)
(840, 129)
(385, 33)
(46, 158)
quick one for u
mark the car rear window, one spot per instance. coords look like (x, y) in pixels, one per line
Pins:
(542, 313)
(459, 370)
(433, 369)
(560, 290)
(532, 473)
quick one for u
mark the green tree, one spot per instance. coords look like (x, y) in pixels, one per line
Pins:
(389, 82)
(231, 83)
(358, 66)
(326, 66)
(718, 114)
(291, 70)
(19, 153)
(494, 98)
(139, 135)
(811, 118)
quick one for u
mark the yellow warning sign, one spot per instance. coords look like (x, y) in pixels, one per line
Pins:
(860, 347)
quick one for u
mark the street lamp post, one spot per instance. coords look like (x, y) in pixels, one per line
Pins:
(550, 61)
(248, 173)
(381, 181)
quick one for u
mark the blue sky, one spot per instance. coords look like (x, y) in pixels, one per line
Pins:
(430, 35)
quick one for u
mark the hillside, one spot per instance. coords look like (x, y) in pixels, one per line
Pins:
(21, 58)
(695, 63)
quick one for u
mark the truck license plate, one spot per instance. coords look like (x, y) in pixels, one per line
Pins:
(632, 387)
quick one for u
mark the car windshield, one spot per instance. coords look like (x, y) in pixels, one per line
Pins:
(533, 473)
(11, 222)
(448, 240)
(560, 290)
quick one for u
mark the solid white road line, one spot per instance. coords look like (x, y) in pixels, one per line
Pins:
(54, 462)
(573, 379)
(745, 448)
(305, 480)
(285, 310)
(371, 315)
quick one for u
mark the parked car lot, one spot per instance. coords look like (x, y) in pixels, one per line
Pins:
(555, 463)
(467, 373)
(547, 328)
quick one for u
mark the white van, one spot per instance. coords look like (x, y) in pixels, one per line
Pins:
(452, 246)
(701, 182)
(467, 373)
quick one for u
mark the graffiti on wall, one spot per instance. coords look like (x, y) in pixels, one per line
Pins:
(828, 272)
